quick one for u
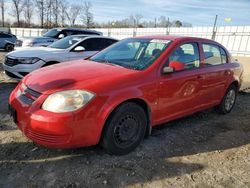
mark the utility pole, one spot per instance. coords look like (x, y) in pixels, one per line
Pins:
(155, 22)
(2, 9)
(214, 28)
(168, 27)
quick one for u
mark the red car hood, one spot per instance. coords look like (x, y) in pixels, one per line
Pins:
(79, 74)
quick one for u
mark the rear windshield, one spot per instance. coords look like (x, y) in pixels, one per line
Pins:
(52, 33)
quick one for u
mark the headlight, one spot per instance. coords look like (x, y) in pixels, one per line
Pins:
(29, 43)
(28, 60)
(67, 101)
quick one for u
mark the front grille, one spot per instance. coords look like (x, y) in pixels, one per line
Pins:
(32, 92)
(26, 100)
(11, 61)
(28, 96)
(49, 138)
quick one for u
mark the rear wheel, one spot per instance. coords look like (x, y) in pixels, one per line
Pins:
(228, 101)
(125, 129)
(9, 47)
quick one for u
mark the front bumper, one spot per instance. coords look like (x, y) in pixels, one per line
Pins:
(20, 70)
(56, 130)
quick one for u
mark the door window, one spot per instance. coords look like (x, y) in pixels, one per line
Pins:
(214, 55)
(92, 44)
(185, 57)
(2, 35)
(223, 55)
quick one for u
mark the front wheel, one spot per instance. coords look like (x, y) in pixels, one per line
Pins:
(228, 101)
(125, 129)
(9, 47)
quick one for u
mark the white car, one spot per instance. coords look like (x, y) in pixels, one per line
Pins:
(51, 36)
(19, 63)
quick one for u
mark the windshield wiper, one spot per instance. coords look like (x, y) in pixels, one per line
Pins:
(105, 61)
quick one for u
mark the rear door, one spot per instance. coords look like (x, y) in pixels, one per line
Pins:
(180, 91)
(217, 73)
(4, 39)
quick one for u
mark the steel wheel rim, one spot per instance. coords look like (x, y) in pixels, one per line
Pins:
(126, 131)
(230, 99)
(9, 48)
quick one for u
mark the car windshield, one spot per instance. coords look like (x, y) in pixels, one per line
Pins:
(66, 42)
(52, 33)
(136, 53)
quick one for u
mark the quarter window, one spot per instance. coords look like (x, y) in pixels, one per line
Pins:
(185, 57)
(214, 55)
(223, 55)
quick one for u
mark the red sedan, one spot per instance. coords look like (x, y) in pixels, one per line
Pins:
(119, 94)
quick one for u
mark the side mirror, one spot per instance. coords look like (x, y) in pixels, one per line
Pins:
(167, 70)
(79, 49)
(177, 65)
(61, 36)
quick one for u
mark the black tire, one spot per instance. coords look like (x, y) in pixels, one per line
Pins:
(124, 129)
(227, 104)
(9, 47)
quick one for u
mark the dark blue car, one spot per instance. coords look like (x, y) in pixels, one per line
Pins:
(7, 41)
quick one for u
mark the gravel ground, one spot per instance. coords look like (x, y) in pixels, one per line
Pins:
(202, 150)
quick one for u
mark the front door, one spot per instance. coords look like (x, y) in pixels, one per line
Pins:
(180, 91)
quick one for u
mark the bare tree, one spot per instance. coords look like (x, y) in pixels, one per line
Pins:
(41, 10)
(63, 11)
(48, 10)
(2, 5)
(17, 10)
(164, 22)
(73, 13)
(137, 19)
(87, 16)
(28, 10)
(56, 8)
(134, 20)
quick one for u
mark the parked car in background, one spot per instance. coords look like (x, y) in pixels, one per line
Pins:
(7, 41)
(5, 30)
(116, 100)
(53, 35)
(19, 63)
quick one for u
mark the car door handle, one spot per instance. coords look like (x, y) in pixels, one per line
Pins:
(227, 72)
(200, 77)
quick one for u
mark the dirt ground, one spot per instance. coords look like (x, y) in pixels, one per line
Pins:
(202, 150)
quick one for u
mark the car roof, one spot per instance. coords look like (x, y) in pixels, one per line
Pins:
(175, 38)
(78, 29)
(2, 32)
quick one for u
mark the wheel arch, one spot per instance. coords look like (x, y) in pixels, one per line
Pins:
(50, 63)
(140, 102)
(9, 43)
(236, 84)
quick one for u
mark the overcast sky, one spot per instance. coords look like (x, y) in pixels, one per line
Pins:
(196, 12)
